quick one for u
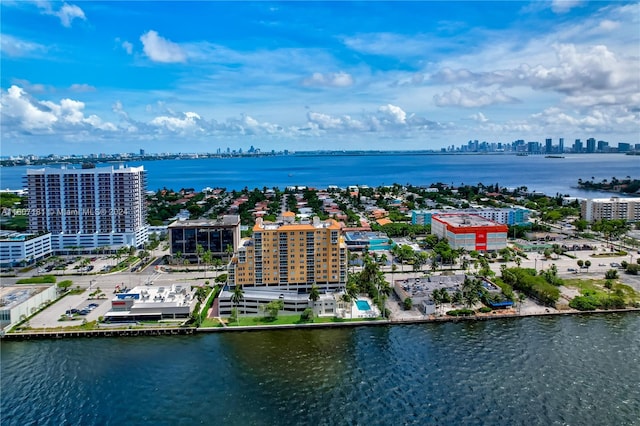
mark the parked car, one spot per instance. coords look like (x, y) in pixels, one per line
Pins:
(84, 312)
(71, 311)
(92, 305)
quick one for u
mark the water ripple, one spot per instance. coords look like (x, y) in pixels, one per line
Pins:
(535, 371)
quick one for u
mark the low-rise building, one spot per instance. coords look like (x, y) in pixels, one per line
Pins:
(152, 303)
(508, 216)
(220, 236)
(18, 247)
(471, 232)
(20, 302)
(372, 241)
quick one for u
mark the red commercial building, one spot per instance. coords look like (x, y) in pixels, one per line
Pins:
(469, 231)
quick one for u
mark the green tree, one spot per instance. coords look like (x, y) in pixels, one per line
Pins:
(314, 294)
(407, 304)
(471, 291)
(272, 309)
(201, 294)
(207, 258)
(64, 285)
(199, 253)
(587, 264)
(237, 296)
(611, 274)
(580, 263)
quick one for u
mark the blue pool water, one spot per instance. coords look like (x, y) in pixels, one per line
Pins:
(363, 305)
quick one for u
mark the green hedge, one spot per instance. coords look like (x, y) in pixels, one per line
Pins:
(461, 312)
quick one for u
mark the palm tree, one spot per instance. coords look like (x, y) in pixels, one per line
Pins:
(199, 253)
(521, 298)
(352, 293)
(314, 294)
(383, 293)
(421, 259)
(207, 257)
(471, 290)
(436, 297)
(229, 250)
(346, 298)
(236, 297)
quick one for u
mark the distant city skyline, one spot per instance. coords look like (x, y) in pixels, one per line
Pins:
(91, 77)
(550, 146)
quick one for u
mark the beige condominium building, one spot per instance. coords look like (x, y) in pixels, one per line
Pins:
(611, 208)
(292, 256)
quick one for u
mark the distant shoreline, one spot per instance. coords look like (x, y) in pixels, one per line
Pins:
(182, 331)
(223, 156)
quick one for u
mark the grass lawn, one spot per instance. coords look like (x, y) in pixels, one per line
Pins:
(211, 322)
(597, 287)
(289, 319)
(44, 279)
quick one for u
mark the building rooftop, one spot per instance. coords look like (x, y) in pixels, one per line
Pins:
(463, 220)
(160, 297)
(13, 296)
(16, 236)
(226, 220)
(296, 226)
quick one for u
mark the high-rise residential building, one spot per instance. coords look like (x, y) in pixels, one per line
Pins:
(533, 147)
(591, 145)
(88, 208)
(624, 147)
(603, 146)
(548, 146)
(561, 145)
(291, 255)
(611, 208)
(577, 146)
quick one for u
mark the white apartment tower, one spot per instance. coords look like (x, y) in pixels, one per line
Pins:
(611, 208)
(88, 208)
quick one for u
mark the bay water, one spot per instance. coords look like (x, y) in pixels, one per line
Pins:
(537, 173)
(564, 370)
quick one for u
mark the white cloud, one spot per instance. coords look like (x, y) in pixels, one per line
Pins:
(466, 98)
(17, 106)
(67, 13)
(128, 47)
(339, 79)
(188, 121)
(82, 88)
(395, 113)
(14, 46)
(22, 113)
(388, 44)
(563, 6)
(159, 49)
(479, 117)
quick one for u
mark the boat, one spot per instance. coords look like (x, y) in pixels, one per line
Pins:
(553, 156)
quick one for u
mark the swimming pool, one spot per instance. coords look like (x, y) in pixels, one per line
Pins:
(363, 305)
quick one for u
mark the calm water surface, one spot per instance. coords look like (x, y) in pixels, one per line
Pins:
(549, 175)
(574, 370)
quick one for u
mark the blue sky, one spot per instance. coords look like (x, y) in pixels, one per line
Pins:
(90, 77)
